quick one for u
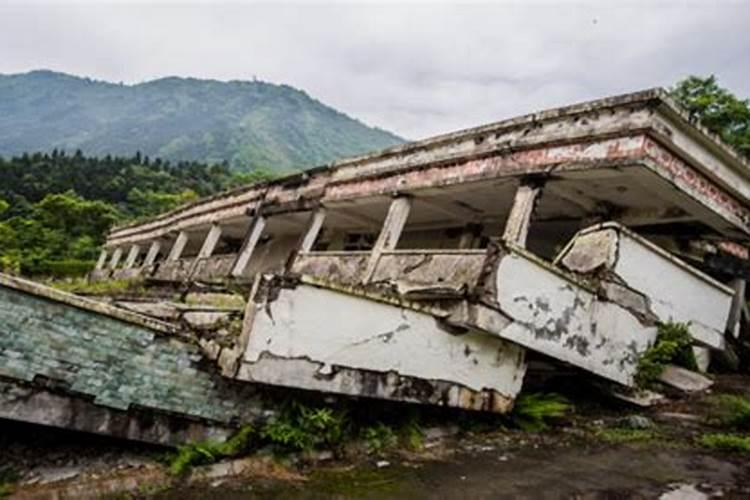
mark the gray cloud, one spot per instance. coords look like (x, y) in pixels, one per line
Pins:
(417, 70)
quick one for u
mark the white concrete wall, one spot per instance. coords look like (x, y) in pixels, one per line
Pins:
(675, 292)
(300, 338)
(559, 318)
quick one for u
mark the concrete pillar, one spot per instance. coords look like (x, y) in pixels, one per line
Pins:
(153, 251)
(394, 223)
(209, 244)
(735, 311)
(519, 220)
(132, 256)
(313, 229)
(179, 245)
(102, 259)
(248, 246)
(115, 260)
(469, 234)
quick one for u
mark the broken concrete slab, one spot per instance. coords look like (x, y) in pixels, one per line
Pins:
(673, 290)
(684, 379)
(639, 397)
(377, 350)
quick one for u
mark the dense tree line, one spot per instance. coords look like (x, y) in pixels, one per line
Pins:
(55, 209)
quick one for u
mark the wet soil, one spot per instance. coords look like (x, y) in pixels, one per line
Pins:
(573, 459)
(608, 472)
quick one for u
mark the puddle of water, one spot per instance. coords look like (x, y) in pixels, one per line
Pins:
(684, 492)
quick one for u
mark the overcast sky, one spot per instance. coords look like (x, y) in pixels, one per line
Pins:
(416, 70)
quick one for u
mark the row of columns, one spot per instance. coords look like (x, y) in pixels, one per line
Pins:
(516, 232)
(130, 260)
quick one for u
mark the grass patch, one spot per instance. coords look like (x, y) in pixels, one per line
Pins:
(82, 286)
(533, 412)
(726, 442)
(731, 411)
(623, 436)
(673, 345)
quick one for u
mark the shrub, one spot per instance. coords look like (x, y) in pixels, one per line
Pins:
(379, 437)
(299, 427)
(533, 411)
(673, 345)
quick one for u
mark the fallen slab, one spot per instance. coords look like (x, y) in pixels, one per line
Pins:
(684, 379)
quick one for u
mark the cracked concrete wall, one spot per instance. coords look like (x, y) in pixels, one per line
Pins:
(557, 317)
(671, 289)
(362, 347)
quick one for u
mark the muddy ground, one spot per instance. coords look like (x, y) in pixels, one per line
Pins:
(604, 449)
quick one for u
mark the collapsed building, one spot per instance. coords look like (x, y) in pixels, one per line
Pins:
(436, 272)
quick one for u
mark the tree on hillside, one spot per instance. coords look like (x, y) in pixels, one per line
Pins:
(717, 109)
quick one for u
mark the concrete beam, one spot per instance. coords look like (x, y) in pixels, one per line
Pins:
(455, 211)
(248, 247)
(519, 220)
(132, 256)
(153, 252)
(394, 224)
(179, 245)
(115, 260)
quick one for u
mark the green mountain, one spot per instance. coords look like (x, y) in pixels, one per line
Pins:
(248, 124)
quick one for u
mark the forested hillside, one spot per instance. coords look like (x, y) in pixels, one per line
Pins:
(55, 209)
(247, 124)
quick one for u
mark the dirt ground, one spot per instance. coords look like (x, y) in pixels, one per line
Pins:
(603, 450)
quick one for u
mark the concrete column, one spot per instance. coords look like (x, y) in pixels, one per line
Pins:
(116, 256)
(313, 229)
(209, 244)
(394, 223)
(248, 246)
(153, 251)
(469, 234)
(132, 256)
(102, 259)
(179, 245)
(735, 311)
(519, 220)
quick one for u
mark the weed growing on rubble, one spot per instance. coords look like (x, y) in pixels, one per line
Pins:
(379, 437)
(726, 442)
(731, 411)
(207, 452)
(532, 412)
(301, 428)
(673, 345)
